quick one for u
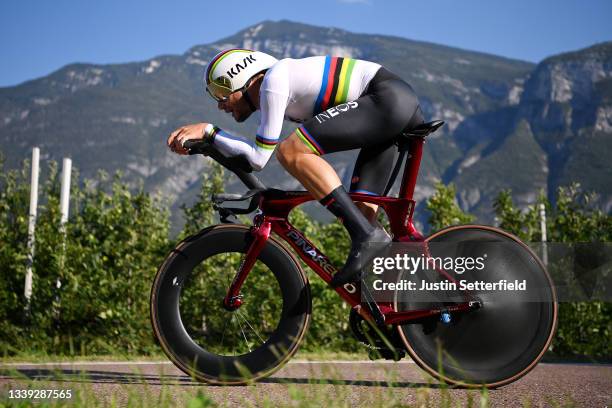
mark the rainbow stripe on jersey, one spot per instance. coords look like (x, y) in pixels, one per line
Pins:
(335, 84)
(265, 142)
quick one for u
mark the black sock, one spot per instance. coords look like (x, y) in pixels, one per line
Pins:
(339, 203)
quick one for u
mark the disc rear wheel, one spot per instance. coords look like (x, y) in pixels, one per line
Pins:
(507, 336)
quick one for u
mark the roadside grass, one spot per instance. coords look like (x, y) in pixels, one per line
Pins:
(332, 391)
(325, 388)
(39, 357)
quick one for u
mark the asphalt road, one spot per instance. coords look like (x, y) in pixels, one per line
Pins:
(357, 383)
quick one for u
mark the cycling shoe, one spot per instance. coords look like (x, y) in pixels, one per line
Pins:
(361, 253)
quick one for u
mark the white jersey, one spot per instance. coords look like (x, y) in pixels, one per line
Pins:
(298, 89)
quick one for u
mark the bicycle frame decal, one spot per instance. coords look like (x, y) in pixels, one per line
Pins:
(309, 249)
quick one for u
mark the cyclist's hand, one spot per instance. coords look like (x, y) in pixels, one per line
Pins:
(184, 133)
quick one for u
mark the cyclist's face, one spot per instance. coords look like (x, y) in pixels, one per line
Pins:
(236, 105)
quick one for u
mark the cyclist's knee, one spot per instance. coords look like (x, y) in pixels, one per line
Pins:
(288, 150)
(283, 153)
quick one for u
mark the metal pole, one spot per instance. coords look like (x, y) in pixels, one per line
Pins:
(64, 206)
(543, 230)
(27, 292)
(65, 193)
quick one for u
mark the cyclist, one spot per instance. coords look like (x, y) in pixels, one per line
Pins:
(341, 103)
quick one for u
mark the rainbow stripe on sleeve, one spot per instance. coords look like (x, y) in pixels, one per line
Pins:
(265, 143)
(335, 83)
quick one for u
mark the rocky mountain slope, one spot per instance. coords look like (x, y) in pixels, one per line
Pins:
(510, 124)
(564, 120)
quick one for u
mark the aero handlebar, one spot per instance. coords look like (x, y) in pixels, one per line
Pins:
(239, 165)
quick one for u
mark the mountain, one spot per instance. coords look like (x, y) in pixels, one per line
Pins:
(564, 118)
(508, 124)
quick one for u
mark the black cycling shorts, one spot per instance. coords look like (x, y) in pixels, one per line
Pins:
(370, 123)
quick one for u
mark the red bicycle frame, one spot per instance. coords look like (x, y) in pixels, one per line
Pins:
(275, 207)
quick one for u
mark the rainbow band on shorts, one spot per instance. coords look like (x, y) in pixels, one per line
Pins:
(309, 141)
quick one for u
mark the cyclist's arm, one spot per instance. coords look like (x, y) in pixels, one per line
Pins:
(273, 104)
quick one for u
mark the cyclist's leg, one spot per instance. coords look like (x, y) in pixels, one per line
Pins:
(370, 121)
(317, 176)
(373, 169)
(371, 174)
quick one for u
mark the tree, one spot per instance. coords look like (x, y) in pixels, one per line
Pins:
(444, 208)
(584, 327)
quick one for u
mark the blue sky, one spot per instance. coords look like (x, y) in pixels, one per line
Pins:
(38, 37)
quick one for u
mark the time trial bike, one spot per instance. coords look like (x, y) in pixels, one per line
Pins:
(231, 304)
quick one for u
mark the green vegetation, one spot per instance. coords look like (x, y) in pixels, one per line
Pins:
(584, 327)
(104, 262)
(444, 208)
(115, 239)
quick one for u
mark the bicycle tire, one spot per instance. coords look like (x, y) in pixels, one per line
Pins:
(209, 366)
(500, 342)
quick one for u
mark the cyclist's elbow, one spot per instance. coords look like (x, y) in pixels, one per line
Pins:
(259, 162)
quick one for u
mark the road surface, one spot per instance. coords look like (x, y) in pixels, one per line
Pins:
(362, 383)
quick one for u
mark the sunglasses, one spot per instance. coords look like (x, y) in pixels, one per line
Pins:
(220, 91)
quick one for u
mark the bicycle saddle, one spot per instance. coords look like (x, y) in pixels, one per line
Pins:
(423, 129)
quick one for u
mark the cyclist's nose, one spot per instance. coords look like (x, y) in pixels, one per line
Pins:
(224, 106)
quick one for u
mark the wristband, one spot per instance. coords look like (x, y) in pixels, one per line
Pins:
(208, 129)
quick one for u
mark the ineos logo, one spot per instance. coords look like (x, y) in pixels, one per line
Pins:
(235, 70)
(335, 111)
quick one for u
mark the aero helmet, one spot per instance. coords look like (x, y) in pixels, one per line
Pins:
(230, 70)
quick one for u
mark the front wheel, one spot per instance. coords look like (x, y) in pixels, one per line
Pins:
(216, 345)
(507, 336)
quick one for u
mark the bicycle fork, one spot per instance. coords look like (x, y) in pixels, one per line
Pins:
(259, 235)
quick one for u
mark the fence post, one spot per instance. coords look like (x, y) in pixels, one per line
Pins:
(64, 207)
(27, 291)
(543, 231)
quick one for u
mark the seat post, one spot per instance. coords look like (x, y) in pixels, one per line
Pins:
(411, 170)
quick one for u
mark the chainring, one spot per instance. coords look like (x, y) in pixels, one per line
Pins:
(382, 342)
